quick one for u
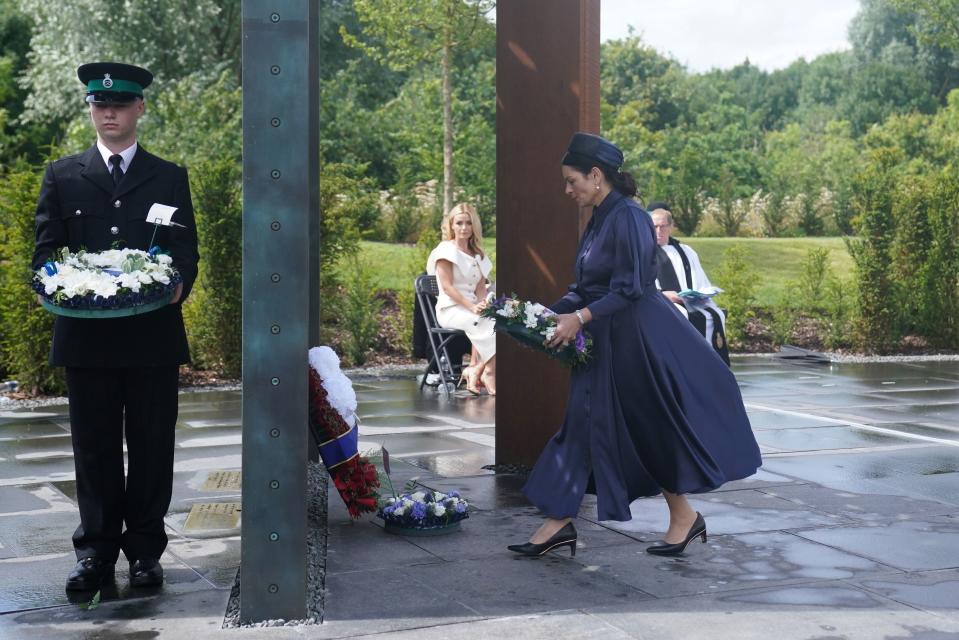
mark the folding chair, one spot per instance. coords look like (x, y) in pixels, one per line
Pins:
(425, 287)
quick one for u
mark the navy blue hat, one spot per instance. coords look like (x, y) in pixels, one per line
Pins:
(592, 148)
(113, 82)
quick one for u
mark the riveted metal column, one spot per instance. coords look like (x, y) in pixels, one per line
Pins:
(280, 298)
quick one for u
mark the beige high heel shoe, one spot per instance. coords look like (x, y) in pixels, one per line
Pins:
(470, 379)
(489, 381)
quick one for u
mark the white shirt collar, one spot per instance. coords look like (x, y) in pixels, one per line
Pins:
(127, 155)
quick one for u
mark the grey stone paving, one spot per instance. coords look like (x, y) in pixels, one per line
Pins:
(850, 530)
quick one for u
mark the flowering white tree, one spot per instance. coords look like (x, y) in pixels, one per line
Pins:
(173, 39)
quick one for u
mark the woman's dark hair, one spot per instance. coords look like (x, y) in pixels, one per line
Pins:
(622, 181)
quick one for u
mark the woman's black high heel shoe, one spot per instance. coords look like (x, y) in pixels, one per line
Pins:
(564, 537)
(698, 529)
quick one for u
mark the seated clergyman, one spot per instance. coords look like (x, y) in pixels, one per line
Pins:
(680, 269)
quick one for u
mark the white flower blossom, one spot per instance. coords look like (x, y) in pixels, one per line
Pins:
(510, 309)
(438, 510)
(338, 387)
(129, 281)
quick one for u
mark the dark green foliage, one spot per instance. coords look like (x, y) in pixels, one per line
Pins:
(738, 280)
(913, 235)
(213, 311)
(940, 304)
(874, 190)
(835, 322)
(813, 280)
(359, 310)
(349, 205)
(26, 329)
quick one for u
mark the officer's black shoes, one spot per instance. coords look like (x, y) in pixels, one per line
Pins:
(146, 572)
(90, 574)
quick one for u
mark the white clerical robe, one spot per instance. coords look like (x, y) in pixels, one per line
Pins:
(700, 281)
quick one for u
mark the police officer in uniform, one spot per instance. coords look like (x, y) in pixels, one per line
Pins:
(121, 373)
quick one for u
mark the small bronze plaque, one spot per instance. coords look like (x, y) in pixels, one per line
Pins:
(213, 516)
(222, 481)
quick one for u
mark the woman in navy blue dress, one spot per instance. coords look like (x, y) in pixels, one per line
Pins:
(656, 410)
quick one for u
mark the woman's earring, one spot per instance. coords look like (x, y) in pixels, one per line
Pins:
(597, 187)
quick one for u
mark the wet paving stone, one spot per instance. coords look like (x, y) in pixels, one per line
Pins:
(38, 581)
(747, 511)
(911, 546)
(729, 562)
(826, 438)
(217, 559)
(432, 604)
(829, 611)
(924, 472)
(525, 585)
(761, 419)
(26, 499)
(434, 452)
(815, 545)
(861, 507)
(935, 591)
(38, 429)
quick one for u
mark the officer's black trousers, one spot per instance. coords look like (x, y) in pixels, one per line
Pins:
(107, 404)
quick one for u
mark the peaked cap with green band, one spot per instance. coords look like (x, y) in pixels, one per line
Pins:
(113, 82)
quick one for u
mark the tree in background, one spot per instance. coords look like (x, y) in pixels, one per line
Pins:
(26, 328)
(410, 33)
(17, 140)
(938, 21)
(173, 39)
(213, 311)
(874, 191)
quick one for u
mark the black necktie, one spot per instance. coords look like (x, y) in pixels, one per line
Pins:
(115, 160)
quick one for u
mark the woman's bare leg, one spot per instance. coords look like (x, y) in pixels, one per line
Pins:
(681, 517)
(488, 375)
(548, 529)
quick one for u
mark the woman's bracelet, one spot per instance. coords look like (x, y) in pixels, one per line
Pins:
(582, 320)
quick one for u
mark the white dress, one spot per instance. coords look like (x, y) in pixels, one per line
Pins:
(467, 272)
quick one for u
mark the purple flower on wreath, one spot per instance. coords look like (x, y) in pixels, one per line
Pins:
(419, 510)
(580, 342)
(454, 494)
(460, 507)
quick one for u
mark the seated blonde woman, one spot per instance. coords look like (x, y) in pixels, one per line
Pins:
(461, 268)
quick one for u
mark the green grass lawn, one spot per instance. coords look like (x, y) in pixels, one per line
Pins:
(776, 260)
(391, 263)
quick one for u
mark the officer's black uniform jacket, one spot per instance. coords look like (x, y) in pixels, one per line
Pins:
(80, 208)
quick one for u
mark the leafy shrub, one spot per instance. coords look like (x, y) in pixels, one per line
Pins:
(940, 302)
(871, 252)
(810, 288)
(738, 279)
(349, 202)
(837, 316)
(214, 310)
(359, 309)
(26, 329)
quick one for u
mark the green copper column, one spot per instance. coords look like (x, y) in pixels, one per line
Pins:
(280, 298)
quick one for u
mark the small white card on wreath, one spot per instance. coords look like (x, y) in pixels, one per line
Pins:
(161, 214)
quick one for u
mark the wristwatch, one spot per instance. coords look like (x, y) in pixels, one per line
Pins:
(582, 320)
